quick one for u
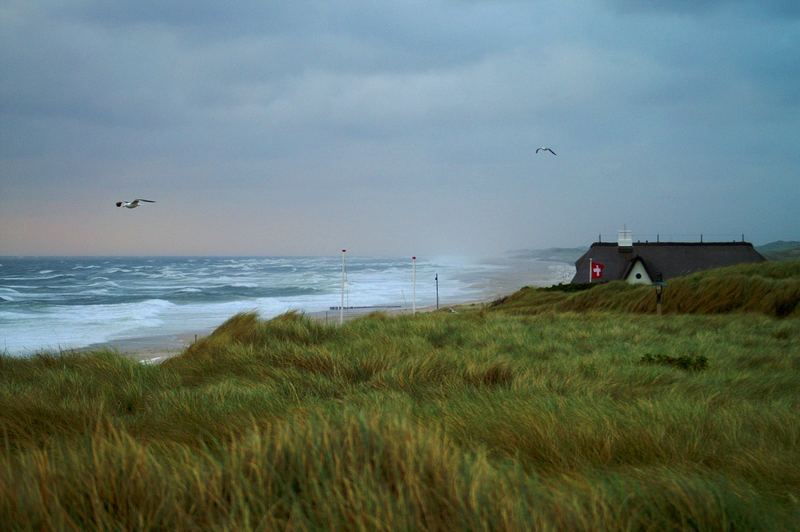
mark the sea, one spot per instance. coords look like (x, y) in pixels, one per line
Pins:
(60, 303)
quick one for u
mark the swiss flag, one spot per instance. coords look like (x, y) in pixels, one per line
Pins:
(597, 270)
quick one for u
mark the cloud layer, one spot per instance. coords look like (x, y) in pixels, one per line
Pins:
(296, 128)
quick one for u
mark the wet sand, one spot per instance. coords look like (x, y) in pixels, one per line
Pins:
(150, 349)
(502, 277)
(156, 349)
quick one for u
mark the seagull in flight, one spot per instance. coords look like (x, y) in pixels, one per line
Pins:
(132, 204)
(545, 148)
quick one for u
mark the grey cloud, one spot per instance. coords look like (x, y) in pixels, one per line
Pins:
(313, 105)
(107, 59)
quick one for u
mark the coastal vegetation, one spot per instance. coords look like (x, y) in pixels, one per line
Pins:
(771, 288)
(781, 250)
(543, 410)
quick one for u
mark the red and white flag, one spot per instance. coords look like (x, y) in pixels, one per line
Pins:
(597, 270)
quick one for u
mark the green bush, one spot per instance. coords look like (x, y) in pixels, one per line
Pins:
(683, 362)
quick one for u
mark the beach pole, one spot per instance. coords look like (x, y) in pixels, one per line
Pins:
(413, 285)
(341, 306)
(590, 271)
(436, 278)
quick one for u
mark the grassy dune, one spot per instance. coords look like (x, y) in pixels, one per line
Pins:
(771, 288)
(781, 250)
(497, 417)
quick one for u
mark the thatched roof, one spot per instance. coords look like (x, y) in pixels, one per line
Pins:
(668, 259)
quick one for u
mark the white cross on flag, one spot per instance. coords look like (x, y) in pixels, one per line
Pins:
(597, 270)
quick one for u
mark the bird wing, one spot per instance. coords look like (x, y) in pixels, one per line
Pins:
(147, 200)
(537, 150)
(551, 151)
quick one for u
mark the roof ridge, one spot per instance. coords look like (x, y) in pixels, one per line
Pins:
(737, 243)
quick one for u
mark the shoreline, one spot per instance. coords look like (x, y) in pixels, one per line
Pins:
(502, 276)
(154, 349)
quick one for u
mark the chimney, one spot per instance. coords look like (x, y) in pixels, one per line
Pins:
(625, 240)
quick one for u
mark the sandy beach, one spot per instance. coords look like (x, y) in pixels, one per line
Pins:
(150, 349)
(502, 276)
(157, 348)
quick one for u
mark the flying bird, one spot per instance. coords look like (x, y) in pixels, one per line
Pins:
(132, 204)
(545, 148)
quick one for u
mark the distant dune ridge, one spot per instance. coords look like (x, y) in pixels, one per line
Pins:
(781, 250)
(569, 255)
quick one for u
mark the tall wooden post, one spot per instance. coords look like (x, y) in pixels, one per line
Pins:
(436, 278)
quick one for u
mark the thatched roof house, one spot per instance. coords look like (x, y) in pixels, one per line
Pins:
(647, 262)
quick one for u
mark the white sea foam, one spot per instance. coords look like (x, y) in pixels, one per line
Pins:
(129, 299)
(29, 278)
(65, 327)
(117, 270)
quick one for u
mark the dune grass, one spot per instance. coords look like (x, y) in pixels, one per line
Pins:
(771, 288)
(491, 418)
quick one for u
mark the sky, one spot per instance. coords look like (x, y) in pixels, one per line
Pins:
(394, 128)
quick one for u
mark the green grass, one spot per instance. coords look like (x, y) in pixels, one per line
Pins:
(781, 250)
(497, 417)
(771, 288)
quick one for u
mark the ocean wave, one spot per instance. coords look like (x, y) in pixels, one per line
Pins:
(73, 326)
(147, 307)
(127, 298)
(103, 283)
(96, 292)
(16, 315)
(46, 278)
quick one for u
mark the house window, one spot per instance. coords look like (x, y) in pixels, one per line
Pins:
(638, 275)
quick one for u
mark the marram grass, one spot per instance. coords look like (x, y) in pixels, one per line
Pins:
(482, 420)
(771, 288)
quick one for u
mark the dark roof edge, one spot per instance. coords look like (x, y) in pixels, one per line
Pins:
(656, 244)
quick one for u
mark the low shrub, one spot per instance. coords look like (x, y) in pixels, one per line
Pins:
(687, 362)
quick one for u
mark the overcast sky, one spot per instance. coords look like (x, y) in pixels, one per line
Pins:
(394, 128)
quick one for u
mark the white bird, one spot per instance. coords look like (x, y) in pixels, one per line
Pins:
(132, 204)
(545, 148)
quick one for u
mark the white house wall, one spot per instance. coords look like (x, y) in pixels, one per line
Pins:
(638, 268)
